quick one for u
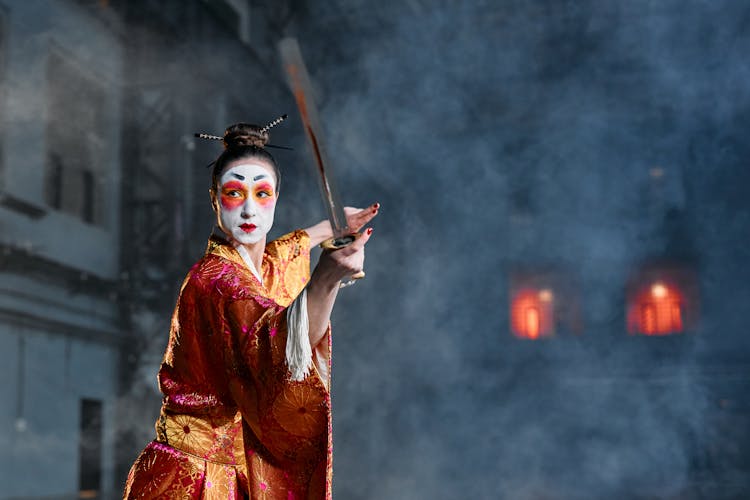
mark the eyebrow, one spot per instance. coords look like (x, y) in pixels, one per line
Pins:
(240, 177)
(259, 177)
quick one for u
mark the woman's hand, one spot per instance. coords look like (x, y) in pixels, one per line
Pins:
(336, 265)
(356, 219)
(333, 266)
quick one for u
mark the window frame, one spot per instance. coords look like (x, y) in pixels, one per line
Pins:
(89, 207)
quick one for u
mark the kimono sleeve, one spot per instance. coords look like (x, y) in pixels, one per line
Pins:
(289, 417)
(289, 259)
(291, 253)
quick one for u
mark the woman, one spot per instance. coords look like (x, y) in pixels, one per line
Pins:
(246, 409)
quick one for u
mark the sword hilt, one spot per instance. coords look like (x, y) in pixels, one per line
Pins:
(337, 243)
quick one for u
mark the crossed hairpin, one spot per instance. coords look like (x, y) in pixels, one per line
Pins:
(263, 130)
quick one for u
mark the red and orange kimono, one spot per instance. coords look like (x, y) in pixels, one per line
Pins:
(234, 424)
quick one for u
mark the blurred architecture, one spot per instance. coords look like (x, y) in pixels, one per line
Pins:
(103, 208)
(555, 293)
(60, 195)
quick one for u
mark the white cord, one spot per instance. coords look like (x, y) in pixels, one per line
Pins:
(298, 350)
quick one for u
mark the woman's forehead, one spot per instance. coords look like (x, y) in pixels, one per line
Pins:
(249, 171)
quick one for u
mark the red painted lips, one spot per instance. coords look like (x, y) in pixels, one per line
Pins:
(248, 228)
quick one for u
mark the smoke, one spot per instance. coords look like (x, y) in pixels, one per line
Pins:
(499, 137)
(570, 135)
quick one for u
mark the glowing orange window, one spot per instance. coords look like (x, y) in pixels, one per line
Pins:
(657, 309)
(532, 314)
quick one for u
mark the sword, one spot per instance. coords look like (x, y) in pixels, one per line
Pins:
(299, 82)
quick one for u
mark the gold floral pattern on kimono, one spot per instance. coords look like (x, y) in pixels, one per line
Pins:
(233, 424)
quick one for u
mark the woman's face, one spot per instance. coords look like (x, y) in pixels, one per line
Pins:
(246, 200)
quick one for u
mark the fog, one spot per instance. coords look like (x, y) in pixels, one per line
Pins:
(586, 137)
(571, 145)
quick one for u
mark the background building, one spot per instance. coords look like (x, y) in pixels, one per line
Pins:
(555, 292)
(103, 208)
(59, 218)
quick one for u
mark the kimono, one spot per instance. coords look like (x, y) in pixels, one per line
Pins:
(234, 423)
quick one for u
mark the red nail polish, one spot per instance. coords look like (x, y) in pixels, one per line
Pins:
(369, 231)
(376, 206)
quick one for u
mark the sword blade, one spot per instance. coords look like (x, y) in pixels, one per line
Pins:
(299, 81)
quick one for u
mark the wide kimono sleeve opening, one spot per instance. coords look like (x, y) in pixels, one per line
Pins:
(290, 418)
(289, 262)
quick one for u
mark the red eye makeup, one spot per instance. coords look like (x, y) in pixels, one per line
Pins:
(233, 195)
(247, 201)
(264, 193)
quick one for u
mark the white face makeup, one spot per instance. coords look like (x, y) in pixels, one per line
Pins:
(246, 195)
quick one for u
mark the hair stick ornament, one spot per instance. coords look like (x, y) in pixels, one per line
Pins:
(208, 136)
(264, 130)
(273, 123)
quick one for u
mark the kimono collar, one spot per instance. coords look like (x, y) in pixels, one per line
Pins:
(219, 245)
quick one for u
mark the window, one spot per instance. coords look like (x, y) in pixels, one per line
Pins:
(662, 300)
(532, 314)
(75, 142)
(543, 303)
(657, 309)
(90, 448)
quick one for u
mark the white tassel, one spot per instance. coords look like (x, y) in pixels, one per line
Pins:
(298, 350)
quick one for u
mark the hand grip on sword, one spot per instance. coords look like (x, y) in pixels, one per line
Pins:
(299, 82)
(339, 243)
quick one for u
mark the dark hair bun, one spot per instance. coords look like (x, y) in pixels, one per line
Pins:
(243, 135)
